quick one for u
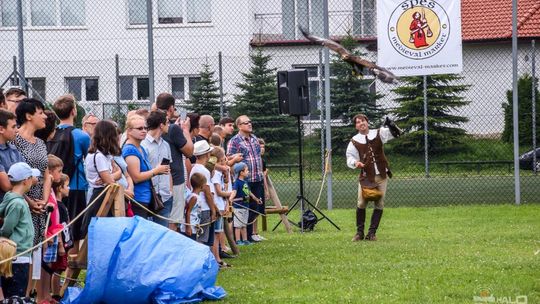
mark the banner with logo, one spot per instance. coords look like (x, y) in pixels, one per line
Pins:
(419, 37)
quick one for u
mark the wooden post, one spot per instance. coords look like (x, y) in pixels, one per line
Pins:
(81, 260)
(275, 199)
(230, 236)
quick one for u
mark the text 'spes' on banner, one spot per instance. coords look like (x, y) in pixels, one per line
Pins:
(419, 37)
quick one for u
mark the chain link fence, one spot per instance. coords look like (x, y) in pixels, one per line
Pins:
(99, 51)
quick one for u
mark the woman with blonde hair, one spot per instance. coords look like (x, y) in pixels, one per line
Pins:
(138, 165)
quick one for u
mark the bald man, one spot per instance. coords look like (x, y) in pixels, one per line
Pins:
(206, 128)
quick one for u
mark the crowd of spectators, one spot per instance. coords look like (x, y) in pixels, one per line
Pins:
(51, 170)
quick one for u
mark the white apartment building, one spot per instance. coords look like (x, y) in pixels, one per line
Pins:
(70, 46)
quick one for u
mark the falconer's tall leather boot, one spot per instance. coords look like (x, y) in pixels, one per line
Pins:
(360, 219)
(375, 220)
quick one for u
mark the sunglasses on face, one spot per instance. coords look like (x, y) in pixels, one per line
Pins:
(246, 122)
(140, 128)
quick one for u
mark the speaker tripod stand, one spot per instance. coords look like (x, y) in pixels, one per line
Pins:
(300, 198)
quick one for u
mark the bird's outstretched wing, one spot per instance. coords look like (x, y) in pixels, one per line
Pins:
(334, 46)
(383, 74)
(380, 72)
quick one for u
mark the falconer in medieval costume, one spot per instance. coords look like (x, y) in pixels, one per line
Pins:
(365, 152)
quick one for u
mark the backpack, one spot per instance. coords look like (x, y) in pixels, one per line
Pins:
(310, 220)
(62, 146)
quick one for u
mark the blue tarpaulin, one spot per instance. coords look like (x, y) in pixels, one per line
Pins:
(132, 260)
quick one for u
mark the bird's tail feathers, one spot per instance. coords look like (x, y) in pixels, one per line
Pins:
(384, 75)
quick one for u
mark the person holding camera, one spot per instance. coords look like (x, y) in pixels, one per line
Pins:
(139, 167)
(159, 153)
(366, 153)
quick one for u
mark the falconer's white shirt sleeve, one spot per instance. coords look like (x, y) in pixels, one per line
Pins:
(352, 155)
(385, 134)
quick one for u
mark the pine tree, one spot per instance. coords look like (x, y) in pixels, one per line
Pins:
(350, 96)
(258, 100)
(525, 113)
(444, 98)
(205, 98)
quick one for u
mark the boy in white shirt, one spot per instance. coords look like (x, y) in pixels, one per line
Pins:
(220, 196)
(192, 213)
(201, 151)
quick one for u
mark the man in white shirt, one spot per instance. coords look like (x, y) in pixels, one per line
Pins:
(365, 152)
(159, 152)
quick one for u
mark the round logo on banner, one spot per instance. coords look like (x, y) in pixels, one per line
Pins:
(418, 31)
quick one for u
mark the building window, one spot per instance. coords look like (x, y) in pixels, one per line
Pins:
(131, 86)
(364, 18)
(179, 83)
(84, 89)
(193, 84)
(143, 88)
(137, 12)
(177, 87)
(37, 89)
(171, 11)
(9, 12)
(126, 88)
(199, 11)
(72, 12)
(44, 13)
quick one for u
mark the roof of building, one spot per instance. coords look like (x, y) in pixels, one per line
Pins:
(492, 20)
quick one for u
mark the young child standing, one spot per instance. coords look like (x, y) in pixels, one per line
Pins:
(240, 197)
(51, 249)
(201, 150)
(220, 198)
(192, 212)
(18, 225)
(61, 190)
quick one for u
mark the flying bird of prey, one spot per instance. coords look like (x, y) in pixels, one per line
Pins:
(356, 62)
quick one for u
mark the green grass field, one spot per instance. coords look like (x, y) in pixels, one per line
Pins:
(423, 255)
(419, 191)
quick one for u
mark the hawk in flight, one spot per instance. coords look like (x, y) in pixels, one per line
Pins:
(356, 62)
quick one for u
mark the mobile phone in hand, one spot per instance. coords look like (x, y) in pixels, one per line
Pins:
(165, 161)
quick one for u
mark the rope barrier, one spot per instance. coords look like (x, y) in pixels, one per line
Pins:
(326, 170)
(247, 224)
(67, 278)
(57, 233)
(173, 221)
(199, 227)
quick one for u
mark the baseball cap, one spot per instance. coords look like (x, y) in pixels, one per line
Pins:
(21, 171)
(238, 167)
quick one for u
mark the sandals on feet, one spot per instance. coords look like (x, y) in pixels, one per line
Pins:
(223, 264)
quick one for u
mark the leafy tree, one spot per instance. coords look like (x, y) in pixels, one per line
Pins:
(350, 95)
(205, 98)
(258, 100)
(524, 114)
(444, 97)
(81, 112)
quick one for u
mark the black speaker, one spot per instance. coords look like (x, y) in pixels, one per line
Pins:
(283, 92)
(293, 93)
